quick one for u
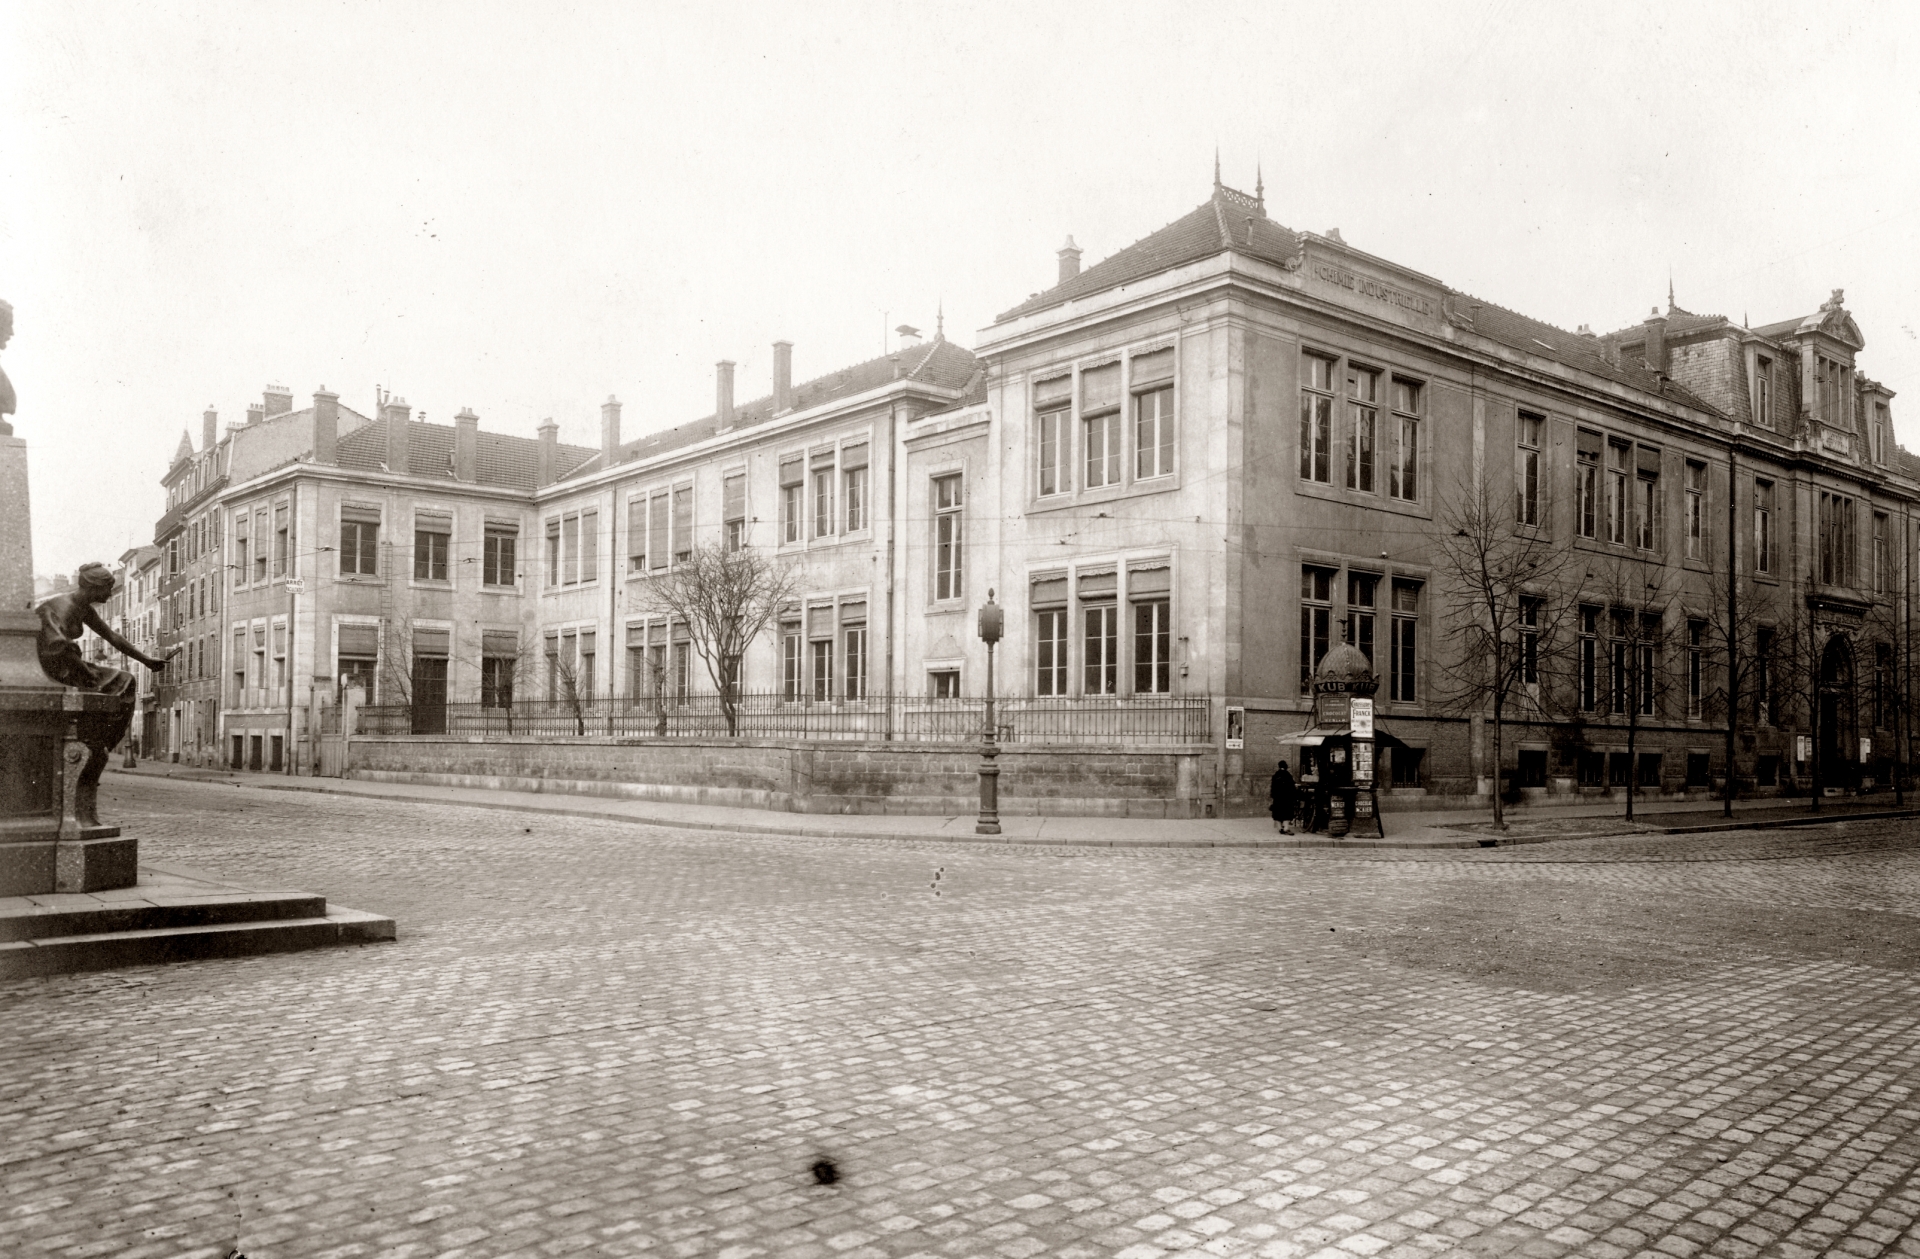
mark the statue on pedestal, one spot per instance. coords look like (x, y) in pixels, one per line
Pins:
(63, 619)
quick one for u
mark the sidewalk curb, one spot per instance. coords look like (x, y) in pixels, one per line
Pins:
(1005, 841)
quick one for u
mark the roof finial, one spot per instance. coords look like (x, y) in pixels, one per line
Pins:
(1216, 166)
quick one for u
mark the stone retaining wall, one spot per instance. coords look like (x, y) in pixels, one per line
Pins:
(808, 777)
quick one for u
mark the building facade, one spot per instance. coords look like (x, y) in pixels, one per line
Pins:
(1184, 471)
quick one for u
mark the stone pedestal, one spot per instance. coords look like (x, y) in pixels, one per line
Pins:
(44, 844)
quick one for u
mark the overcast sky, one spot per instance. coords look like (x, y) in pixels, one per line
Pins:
(524, 208)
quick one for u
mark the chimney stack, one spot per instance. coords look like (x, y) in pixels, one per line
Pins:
(723, 395)
(609, 431)
(466, 444)
(782, 377)
(549, 453)
(326, 425)
(1656, 351)
(1069, 261)
(279, 400)
(255, 413)
(209, 429)
(397, 414)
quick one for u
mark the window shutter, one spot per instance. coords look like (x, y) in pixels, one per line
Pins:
(1152, 369)
(854, 456)
(1101, 585)
(1049, 591)
(1153, 581)
(360, 641)
(1100, 388)
(431, 642)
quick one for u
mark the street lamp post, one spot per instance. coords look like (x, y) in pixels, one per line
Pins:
(992, 620)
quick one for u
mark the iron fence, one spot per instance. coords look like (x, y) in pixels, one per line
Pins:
(1088, 720)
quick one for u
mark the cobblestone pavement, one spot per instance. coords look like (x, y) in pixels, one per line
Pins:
(601, 1038)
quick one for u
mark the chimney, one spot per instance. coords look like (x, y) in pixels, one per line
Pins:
(209, 429)
(723, 395)
(466, 443)
(396, 413)
(255, 413)
(279, 400)
(326, 426)
(549, 453)
(1069, 261)
(782, 377)
(1656, 351)
(609, 431)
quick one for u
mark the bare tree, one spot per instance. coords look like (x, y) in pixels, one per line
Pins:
(1493, 578)
(725, 598)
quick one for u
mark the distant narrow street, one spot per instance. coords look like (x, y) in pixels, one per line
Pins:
(601, 1038)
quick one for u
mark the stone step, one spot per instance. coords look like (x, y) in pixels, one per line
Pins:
(90, 914)
(104, 950)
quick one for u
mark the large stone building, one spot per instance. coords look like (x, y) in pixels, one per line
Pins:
(1184, 470)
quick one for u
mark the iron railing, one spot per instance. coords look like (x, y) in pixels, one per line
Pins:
(1094, 719)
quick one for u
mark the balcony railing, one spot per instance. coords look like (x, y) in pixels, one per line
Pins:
(1088, 720)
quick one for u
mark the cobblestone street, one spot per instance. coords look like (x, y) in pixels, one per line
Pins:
(602, 1038)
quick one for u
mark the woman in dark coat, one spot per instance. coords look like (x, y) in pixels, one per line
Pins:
(1284, 799)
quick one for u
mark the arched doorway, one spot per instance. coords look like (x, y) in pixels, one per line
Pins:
(1839, 729)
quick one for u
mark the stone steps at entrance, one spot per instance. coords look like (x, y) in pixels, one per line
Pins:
(170, 916)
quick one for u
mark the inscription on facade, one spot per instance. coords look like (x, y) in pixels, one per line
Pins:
(1379, 290)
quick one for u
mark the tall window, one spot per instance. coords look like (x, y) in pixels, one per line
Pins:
(823, 495)
(1361, 590)
(790, 661)
(793, 493)
(1646, 501)
(1765, 705)
(359, 537)
(1403, 469)
(282, 536)
(1589, 659)
(497, 556)
(432, 539)
(946, 536)
(853, 477)
(1763, 391)
(1696, 510)
(1050, 652)
(1402, 678)
(1762, 526)
(1619, 470)
(1316, 417)
(1363, 419)
(1053, 409)
(1586, 482)
(1152, 647)
(1696, 665)
(1530, 640)
(856, 660)
(1526, 469)
(733, 510)
(1882, 555)
(1316, 620)
(1100, 645)
(1100, 424)
(1152, 383)
(1836, 539)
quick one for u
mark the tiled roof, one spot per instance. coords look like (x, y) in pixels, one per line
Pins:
(499, 459)
(939, 362)
(1226, 220)
(1575, 349)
